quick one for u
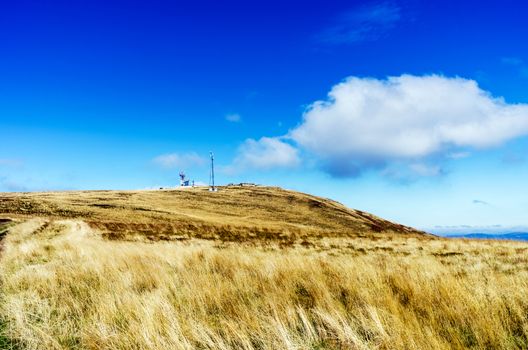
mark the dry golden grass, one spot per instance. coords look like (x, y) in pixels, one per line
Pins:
(65, 285)
(232, 214)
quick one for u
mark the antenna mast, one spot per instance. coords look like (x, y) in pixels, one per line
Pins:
(182, 179)
(211, 178)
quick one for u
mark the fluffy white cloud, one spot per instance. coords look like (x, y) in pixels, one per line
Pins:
(368, 122)
(266, 153)
(179, 160)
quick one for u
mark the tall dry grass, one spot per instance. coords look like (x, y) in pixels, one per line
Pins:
(64, 287)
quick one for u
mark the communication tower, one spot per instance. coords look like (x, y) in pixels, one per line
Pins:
(211, 177)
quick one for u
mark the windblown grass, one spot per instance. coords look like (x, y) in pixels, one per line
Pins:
(65, 287)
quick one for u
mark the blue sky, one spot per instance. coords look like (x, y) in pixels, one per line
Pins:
(416, 111)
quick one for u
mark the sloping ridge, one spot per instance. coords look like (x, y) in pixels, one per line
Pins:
(233, 213)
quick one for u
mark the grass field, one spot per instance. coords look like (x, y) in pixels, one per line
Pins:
(232, 214)
(70, 280)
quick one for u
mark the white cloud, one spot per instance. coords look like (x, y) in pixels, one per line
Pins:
(368, 122)
(406, 173)
(266, 153)
(179, 160)
(233, 118)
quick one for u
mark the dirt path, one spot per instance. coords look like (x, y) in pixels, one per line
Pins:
(4, 223)
(21, 230)
(77, 229)
(70, 229)
(1, 244)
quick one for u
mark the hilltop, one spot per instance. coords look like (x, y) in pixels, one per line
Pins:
(234, 213)
(245, 268)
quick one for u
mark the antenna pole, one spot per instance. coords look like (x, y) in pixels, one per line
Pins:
(212, 183)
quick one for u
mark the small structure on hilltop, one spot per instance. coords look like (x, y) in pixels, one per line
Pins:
(183, 181)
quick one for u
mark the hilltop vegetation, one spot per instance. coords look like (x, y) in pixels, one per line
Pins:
(232, 214)
(70, 280)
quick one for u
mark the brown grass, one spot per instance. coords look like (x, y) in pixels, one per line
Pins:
(65, 285)
(232, 214)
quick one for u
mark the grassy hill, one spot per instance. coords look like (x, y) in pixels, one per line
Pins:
(231, 214)
(245, 268)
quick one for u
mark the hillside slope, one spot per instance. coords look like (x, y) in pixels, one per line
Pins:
(231, 214)
(279, 270)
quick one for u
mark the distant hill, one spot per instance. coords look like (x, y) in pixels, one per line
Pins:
(233, 213)
(513, 236)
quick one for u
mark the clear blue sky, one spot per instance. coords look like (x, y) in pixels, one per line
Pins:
(125, 94)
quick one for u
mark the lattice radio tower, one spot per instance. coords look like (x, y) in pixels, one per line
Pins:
(211, 176)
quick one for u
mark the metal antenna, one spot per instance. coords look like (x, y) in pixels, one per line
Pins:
(182, 178)
(211, 178)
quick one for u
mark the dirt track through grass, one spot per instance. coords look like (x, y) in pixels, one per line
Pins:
(4, 225)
